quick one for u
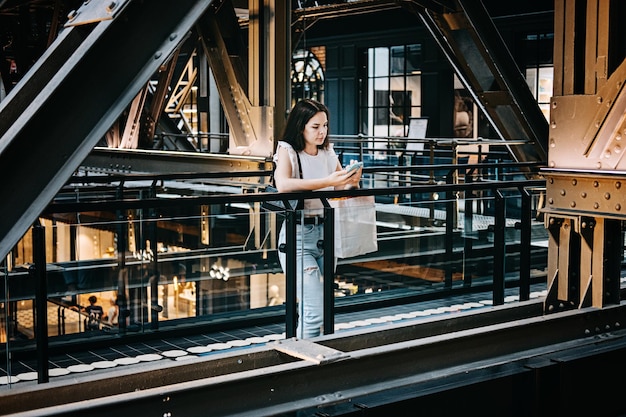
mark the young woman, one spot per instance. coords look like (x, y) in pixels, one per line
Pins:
(305, 148)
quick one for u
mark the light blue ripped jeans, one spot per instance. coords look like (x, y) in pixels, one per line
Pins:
(309, 277)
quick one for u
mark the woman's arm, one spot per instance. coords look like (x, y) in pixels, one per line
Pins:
(285, 183)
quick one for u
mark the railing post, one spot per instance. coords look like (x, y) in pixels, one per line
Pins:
(155, 275)
(41, 301)
(451, 219)
(291, 313)
(329, 270)
(431, 179)
(122, 275)
(525, 235)
(468, 227)
(499, 249)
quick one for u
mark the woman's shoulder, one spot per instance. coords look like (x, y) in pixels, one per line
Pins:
(286, 145)
(283, 147)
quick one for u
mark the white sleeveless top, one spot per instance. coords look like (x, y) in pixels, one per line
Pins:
(313, 166)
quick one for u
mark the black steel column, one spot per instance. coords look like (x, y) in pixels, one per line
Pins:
(449, 238)
(291, 316)
(155, 274)
(468, 226)
(41, 301)
(525, 235)
(499, 249)
(122, 274)
(329, 270)
(613, 258)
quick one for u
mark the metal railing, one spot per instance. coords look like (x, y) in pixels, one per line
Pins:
(142, 206)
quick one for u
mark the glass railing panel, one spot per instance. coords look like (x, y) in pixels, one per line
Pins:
(203, 265)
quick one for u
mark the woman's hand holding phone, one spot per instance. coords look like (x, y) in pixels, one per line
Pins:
(354, 166)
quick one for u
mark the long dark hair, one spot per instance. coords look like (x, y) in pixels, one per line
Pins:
(300, 115)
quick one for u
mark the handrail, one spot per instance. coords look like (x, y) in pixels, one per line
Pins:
(155, 202)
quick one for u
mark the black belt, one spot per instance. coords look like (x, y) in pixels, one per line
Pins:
(311, 220)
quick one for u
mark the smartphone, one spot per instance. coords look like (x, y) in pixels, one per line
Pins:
(354, 166)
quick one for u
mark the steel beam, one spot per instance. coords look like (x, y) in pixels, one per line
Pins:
(55, 116)
(470, 41)
(250, 104)
(420, 360)
(129, 161)
(586, 169)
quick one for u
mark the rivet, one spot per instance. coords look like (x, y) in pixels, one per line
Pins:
(607, 196)
(562, 192)
(618, 207)
(551, 201)
(572, 204)
(596, 184)
(596, 205)
(574, 182)
(72, 15)
(583, 194)
(618, 184)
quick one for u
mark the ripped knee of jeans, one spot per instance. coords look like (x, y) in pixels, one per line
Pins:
(311, 270)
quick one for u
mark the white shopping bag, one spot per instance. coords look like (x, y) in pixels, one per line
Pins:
(355, 226)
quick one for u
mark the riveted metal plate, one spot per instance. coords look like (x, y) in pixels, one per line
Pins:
(587, 193)
(93, 11)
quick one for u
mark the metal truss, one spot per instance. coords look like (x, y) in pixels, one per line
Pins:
(108, 49)
(586, 171)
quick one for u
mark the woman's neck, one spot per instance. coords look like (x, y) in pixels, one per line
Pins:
(311, 150)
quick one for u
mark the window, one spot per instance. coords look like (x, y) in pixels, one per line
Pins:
(393, 93)
(539, 80)
(307, 75)
(539, 68)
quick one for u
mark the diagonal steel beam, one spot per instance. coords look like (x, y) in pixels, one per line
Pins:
(71, 97)
(471, 42)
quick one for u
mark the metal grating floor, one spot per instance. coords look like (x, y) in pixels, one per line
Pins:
(24, 372)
